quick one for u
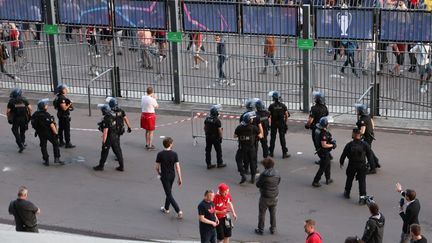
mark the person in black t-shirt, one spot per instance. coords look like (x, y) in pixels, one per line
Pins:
(24, 212)
(207, 218)
(167, 164)
(18, 113)
(416, 236)
(213, 132)
(317, 111)
(63, 105)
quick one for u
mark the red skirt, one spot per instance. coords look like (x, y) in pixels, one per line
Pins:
(148, 121)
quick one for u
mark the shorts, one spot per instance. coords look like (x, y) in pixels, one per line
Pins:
(400, 58)
(423, 69)
(222, 231)
(25, 26)
(148, 121)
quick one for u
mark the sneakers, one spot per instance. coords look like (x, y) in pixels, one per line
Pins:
(151, 147)
(97, 56)
(195, 67)
(180, 215)
(163, 210)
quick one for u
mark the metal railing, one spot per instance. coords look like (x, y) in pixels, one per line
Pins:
(110, 70)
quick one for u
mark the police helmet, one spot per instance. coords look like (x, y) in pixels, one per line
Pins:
(323, 123)
(275, 95)
(361, 109)
(319, 97)
(214, 110)
(248, 118)
(250, 104)
(112, 102)
(15, 93)
(104, 108)
(260, 105)
(42, 104)
(61, 87)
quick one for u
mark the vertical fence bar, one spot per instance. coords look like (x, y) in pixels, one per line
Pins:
(176, 71)
(53, 44)
(307, 58)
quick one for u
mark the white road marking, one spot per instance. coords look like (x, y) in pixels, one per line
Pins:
(298, 169)
(6, 169)
(299, 153)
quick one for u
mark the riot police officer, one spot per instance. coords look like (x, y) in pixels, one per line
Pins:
(120, 116)
(18, 113)
(317, 111)
(246, 155)
(46, 129)
(110, 138)
(264, 118)
(278, 123)
(63, 105)
(213, 133)
(357, 151)
(324, 144)
(366, 126)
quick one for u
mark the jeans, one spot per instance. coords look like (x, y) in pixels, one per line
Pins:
(264, 204)
(167, 184)
(350, 61)
(272, 60)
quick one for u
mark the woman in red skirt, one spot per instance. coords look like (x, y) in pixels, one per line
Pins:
(148, 116)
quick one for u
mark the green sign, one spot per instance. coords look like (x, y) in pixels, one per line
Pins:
(51, 29)
(175, 36)
(305, 44)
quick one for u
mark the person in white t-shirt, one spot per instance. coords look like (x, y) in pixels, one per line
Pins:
(148, 116)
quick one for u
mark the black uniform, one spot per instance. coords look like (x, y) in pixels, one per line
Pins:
(264, 120)
(19, 117)
(211, 128)
(63, 118)
(317, 112)
(246, 154)
(368, 137)
(278, 123)
(119, 115)
(41, 122)
(323, 154)
(112, 141)
(357, 151)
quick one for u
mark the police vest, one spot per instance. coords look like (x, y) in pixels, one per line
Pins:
(119, 119)
(278, 112)
(357, 153)
(210, 126)
(20, 109)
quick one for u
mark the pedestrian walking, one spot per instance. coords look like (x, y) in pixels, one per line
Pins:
(349, 48)
(399, 52)
(278, 123)
(422, 52)
(411, 213)
(167, 165)
(14, 36)
(92, 41)
(312, 235)
(24, 212)
(268, 184)
(46, 129)
(224, 212)
(357, 151)
(374, 229)
(18, 114)
(317, 111)
(148, 116)
(4, 55)
(213, 135)
(110, 138)
(63, 105)
(196, 49)
(145, 40)
(207, 218)
(269, 54)
(324, 144)
(222, 57)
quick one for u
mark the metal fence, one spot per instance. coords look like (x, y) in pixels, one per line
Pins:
(177, 72)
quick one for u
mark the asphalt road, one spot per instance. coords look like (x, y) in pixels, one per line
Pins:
(127, 204)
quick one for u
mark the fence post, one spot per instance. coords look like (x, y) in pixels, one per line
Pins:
(374, 99)
(307, 58)
(115, 81)
(53, 45)
(175, 26)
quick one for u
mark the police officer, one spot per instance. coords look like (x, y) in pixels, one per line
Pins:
(213, 132)
(247, 133)
(278, 122)
(264, 118)
(324, 144)
(120, 116)
(251, 107)
(46, 129)
(110, 138)
(64, 107)
(366, 126)
(357, 151)
(18, 113)
(317, 111)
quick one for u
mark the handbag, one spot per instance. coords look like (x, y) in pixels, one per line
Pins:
(228, 222)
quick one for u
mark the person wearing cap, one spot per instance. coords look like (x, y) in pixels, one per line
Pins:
(46, 129)
(317, 111)
(366, 126)
(357, 151)
(324, 143)
(110, 138)
(224, 209)
(64, 107)
(213, 135)
(18, 113)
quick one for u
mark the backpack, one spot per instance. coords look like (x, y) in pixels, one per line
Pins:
(56, 102)
(36, 122)
(119, 122)
(5, 52)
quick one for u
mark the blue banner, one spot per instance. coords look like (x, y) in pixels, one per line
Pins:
(85, 12)
(406, 26)
(344, 23)
(141, 14)
(270, 20)
(210, 17)
(21, 10)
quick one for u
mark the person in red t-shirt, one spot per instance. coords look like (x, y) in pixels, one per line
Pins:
(313, 236)
(399, 51)
(223, 205)
(14, 37)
